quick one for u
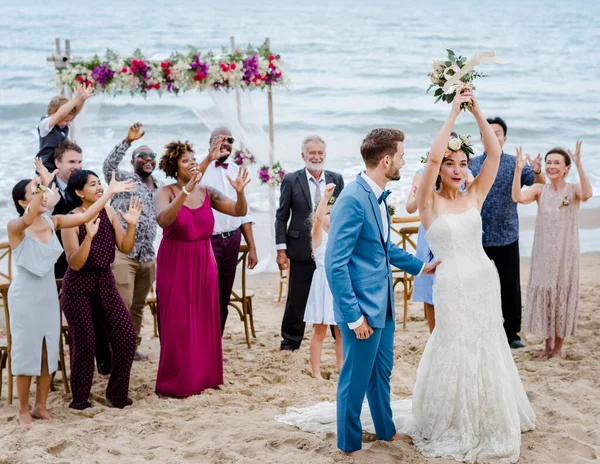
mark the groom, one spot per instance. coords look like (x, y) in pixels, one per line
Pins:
(357, 263)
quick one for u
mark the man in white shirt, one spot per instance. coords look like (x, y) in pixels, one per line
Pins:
(228, 230)
(301, 192)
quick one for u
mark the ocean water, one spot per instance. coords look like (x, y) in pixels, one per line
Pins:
(353, 66)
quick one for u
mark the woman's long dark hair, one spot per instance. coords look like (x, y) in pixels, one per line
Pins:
(18, 194)
(77, 181)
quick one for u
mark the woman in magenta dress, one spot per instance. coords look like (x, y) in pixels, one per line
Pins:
(191, 358)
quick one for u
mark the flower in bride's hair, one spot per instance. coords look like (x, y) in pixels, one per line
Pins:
(455, 144)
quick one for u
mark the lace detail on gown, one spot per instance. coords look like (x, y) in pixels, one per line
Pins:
(469, 403)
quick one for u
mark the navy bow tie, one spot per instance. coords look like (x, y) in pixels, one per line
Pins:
(221, 164)
(384, 195)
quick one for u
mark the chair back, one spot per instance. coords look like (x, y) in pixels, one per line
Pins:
(4, 292)
(5, 258)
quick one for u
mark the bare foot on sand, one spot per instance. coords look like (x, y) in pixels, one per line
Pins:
(360, 455)
(41, 413)
(24, 418)
(557, 354)
(286, 352)
(544, 355)
(318, 377)
(401, 437)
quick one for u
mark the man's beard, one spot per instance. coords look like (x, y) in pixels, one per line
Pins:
(223, 158)
(315, 166)
(391, 175)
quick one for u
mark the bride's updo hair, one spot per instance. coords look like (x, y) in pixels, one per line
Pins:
(379, 143)
(173, 152)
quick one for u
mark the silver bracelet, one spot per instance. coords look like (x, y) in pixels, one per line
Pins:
(185, 191)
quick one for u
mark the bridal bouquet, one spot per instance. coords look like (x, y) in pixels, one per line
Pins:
(243, 158)
(271, 175)
(455, 72)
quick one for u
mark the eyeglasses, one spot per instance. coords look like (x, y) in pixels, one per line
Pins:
(146, 155)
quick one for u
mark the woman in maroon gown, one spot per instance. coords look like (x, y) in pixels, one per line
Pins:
(191, 358)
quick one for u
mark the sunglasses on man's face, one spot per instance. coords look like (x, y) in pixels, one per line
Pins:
(229, 140)
(146, 155)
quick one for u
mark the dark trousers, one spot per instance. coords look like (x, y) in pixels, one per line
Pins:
(292, 327)
(226, 251)
(507, 261)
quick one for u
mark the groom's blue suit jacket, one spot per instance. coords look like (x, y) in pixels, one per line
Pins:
(357, 260)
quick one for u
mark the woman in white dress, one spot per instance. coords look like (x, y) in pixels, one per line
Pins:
(319, 306)
(469, 403)
(32, 295)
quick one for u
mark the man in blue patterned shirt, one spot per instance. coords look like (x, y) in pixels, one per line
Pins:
(135, 273)
(501, 229)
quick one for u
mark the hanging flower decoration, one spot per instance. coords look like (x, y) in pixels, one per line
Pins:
(271, 175)
(250, 69)
(243, 158)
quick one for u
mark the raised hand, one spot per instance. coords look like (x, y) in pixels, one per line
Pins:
(116, 186)
(240, 182)
(474, 106)
(463, 96)
(535, 163)
(92, 227)
(45, 176)
(520, 160)
(329, 189)
(576, 157)
(135, 132)
(193, 182)
(83, 92)
(133, 214)
(52, 197)
(215, 149)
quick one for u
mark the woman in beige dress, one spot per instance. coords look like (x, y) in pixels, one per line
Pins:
(553, 290)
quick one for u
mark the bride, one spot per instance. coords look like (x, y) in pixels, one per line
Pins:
(469, 403)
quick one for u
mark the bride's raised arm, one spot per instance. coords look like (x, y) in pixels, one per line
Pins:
(484, 181)
(424, 195)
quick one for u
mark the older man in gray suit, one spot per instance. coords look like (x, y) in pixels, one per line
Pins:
(301, 192)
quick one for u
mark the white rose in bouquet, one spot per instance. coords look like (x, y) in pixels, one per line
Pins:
(454, 144)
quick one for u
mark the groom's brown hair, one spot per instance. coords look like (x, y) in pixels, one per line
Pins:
(379, 143)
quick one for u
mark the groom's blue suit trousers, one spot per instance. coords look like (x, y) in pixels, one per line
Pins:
(366, 370)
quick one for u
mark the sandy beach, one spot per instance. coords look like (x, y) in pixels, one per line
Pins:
(235, 423)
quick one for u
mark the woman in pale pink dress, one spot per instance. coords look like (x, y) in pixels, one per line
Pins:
(553, 290)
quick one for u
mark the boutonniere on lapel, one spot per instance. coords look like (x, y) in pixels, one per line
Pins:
(566, 202)
(391, 210)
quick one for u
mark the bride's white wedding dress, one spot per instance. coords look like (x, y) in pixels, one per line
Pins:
(468, 403)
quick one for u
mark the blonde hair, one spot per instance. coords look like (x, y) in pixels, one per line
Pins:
(56, 103)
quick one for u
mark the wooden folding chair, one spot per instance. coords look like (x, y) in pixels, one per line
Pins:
(241, 299)
(64, 334)
(6, 361)
(6, 254)
(151, 303)
(406, 241)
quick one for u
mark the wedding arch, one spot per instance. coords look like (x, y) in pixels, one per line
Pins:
(237, 70)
